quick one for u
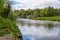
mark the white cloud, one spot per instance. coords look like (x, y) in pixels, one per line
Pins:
(32, 4)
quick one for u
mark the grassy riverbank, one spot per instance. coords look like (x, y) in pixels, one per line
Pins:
(53, 18)
(4, 23)
(7, 26)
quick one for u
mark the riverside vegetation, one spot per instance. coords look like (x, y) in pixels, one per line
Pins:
(8, 26)
(48, 13)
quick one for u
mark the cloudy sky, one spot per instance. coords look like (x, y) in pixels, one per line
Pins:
(32, 4)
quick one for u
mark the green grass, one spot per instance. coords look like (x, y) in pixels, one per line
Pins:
(54, 18)
(3, 25)
(3, 32)
(7, 26)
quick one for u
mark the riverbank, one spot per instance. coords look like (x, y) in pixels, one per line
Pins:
(6, 37)
(4, 29)
(7, 26)
(53, 18)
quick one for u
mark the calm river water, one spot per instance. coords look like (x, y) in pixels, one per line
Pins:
(39, 29)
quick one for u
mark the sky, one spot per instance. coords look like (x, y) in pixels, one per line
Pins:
(33, 4)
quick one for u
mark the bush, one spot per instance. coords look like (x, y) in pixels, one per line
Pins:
(7, 24)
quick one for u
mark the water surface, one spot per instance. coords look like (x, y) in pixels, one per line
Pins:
(39, 29)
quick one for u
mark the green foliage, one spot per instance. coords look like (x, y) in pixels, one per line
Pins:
(12, 16)
(50, 11)
(3, 32)
(34, 14)
(2, 2)
(6, 23)
(7, 26)
(22, 13)
(54, 18)
(5, 7)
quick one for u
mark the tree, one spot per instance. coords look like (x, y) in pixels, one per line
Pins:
(57, 12)
(50, 11)
(36, 13)
(29, 13)
(2, 2)
(43, 12)
(6, 10)
(21, 13)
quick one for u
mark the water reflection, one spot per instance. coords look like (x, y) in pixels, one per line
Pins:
(49, 26)
(39, 30)
(29, 24)
(22, 23)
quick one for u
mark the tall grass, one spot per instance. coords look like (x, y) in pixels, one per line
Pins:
(54, 18)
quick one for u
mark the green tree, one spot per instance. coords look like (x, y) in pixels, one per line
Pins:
(6, 10)
(2, 2)
(36, 13)
(50, 11)
(57, 12)
(43, 12)
(21, 13)
(29, 13)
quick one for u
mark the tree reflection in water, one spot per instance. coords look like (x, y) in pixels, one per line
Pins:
(50, 26)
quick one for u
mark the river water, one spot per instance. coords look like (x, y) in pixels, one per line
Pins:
(39, 29)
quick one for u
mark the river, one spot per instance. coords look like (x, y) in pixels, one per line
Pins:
(39, 29)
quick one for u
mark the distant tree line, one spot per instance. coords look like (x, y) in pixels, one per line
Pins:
(46, 12)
